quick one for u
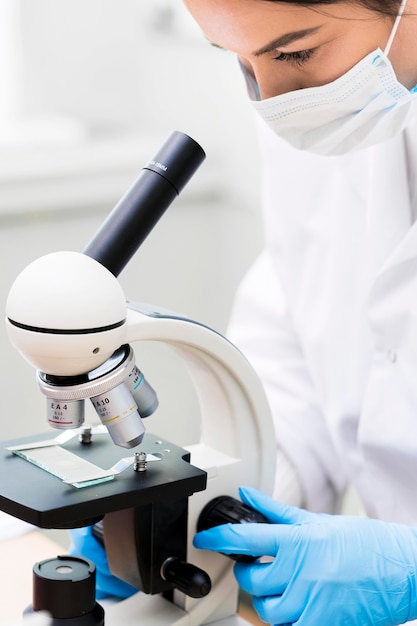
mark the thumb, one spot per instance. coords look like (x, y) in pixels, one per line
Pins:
(246, 539)
(275, 512)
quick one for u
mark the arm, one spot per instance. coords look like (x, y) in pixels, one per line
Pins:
(308, 468)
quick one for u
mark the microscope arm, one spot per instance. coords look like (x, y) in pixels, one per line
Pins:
(236, 446)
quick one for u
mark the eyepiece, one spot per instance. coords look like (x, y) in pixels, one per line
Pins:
(136, 214)
(177, 160)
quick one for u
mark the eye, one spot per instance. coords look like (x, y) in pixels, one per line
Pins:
(297, 58)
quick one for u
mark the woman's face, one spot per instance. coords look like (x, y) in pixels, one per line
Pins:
(288, 46)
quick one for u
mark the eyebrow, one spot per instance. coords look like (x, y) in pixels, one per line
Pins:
(286, 40)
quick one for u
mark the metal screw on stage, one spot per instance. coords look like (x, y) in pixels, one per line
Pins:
(140, 462)
(85, 435)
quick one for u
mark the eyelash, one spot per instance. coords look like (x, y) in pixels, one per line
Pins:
(297, 58)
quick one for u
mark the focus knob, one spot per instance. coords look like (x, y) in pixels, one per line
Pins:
(228, 510)
(189, 579)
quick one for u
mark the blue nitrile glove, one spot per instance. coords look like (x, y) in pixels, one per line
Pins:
(327, 570)
(84, 544)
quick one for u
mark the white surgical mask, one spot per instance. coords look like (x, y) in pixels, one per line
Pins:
(365, 106)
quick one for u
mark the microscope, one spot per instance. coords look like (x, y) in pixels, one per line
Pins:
(146, 496)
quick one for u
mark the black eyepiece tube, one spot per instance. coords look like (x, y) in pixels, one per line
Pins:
(135, 215)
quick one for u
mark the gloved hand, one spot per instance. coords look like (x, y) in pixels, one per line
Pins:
(327, 570)
(84, 544)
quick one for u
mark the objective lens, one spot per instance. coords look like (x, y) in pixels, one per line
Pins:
(143, 393)
(118, 391)
(118, 411)
(65, 414)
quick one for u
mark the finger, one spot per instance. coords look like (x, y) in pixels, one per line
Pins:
(262, 579)
(278, 609)
(108, 585)
(250, 539)
(84, 544)
(275, 512)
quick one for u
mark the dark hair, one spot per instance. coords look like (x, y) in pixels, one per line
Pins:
(387, 7)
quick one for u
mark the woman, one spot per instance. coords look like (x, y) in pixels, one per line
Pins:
(328, 314)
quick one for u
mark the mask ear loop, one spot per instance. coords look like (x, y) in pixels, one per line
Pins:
(395, 27)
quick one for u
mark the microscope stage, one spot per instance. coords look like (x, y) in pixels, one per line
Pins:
(40, 498)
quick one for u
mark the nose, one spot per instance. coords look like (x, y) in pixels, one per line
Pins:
(267, 80)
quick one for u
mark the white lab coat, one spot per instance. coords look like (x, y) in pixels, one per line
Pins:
(328, 318)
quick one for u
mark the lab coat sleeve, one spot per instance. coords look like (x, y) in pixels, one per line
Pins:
(260, 326)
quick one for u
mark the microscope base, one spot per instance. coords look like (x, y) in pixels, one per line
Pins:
(156, 611)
